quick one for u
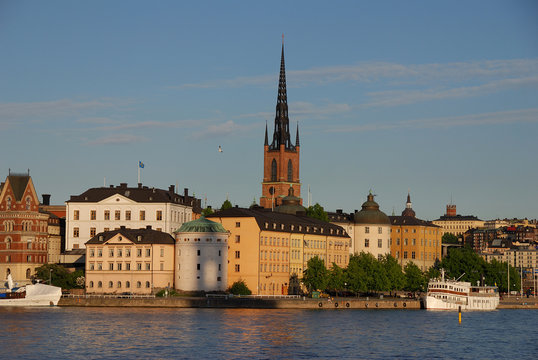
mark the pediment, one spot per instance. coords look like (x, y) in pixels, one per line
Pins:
(117, 199)
(118, 239)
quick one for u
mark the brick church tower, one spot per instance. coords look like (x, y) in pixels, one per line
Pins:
(281, 157)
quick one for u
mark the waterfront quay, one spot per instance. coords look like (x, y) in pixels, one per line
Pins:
(250, 302)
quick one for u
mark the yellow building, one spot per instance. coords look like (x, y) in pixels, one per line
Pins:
(138, 261)
(267, 247)
(456, 224)
(414, 240)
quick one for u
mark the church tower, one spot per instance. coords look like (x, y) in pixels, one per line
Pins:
(280, 157)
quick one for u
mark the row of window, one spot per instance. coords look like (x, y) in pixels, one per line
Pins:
(414, 242)
(367, 230)
(429, 255)
(30, 258)
(273, 268)
(415, 230)
(270, 241)
(27, 225)
(117, 215)
(198, 267)
(123, 266)
(379, 243)
(27, 205)
(119, 284)
(119, 252)
(273, 255)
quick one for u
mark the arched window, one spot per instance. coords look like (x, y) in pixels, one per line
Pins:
(110, 284)
(91, 284)
(8, 243)
(290, 171)
(138, 284)
(147, 284)
(28, 202)
(273, 170)
(28, 273)
(100, 284)
(119, 284)
(8, 200)
(127, 284)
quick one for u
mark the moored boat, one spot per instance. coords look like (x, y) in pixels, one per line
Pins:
(30, 295)
(445, 294)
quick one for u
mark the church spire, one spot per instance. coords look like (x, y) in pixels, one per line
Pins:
(297, 136)
(281, 135)
(266, 138)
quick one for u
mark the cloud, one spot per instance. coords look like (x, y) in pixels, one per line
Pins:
(60, 107)
(117, 139)
(380, 71)
(224, 129)
(492, 118)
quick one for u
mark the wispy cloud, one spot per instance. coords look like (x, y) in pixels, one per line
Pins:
(393, 72)
(225, 129)
(118, 139)
(60, 107)
(492, 118)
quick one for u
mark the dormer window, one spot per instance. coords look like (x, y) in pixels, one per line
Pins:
(101, 238)
(139, 238)
(28, 202)
(8, 202)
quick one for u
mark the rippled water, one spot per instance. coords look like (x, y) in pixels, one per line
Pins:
(119, 333)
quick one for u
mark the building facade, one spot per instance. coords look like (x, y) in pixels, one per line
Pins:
(201, 256)
(108, 208)
(267, 248)
(23, 229)
(281, 156)
(456, 224)
(414, 240)
(138, 261)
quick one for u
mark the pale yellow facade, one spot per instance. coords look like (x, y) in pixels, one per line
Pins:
(120, 265)
(266, 256)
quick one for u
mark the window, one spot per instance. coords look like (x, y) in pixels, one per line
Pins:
(100, 284)
(219, 253)
(290, 171)
(237, 254)
(273, 170)
(162, 266)
(119, 252)
(366, 242)
(111, 266)
(128, 284)
(147, 284)
(75, 232)
(117, 215)
(92, 252)
(405, 254)
(118, 284)
(119, 266)
(162, 252)
(237, 268)
(414, 241)
(138, 252)
(92, 232)
(76, 215)
(111, 252)
(142, 215)
(128, 215)
(138, 284)
(138, 266)
(148, 252)
(93, 215)
(127, 266)
(159, 215)
(148, 266)
(367, 230)
(412, 255)
(99, 252)
(405, 241)
(379, 243)
(110, 284)
(91, 284)
(238, 224)
(198, 252)
(380, 230)
(107, 214)
(197, 266)
(237, 239)
(128, 252)
(28, 202)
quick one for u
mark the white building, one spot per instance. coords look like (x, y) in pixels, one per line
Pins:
(108, 208)
(368, 228)
(201, 256)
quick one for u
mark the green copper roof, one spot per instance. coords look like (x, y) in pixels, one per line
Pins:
(202, 225)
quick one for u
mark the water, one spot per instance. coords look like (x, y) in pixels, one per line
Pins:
(126, 333)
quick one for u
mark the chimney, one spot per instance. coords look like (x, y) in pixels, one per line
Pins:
(46, 199)
(148, 227)
(122, 227)
(140, 185)
(451, 210)
(171, 189)
(186, 192)
(338, 211)
(123, 185)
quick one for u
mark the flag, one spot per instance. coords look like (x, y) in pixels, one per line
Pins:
(140, 164)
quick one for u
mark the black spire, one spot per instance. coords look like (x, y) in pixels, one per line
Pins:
(266, 138)
(281, 136)
(297, 136)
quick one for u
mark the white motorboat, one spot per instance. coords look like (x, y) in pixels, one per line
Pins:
(444, 294)
(30, 295)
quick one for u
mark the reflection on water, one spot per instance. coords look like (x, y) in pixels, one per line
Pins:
(263, 334)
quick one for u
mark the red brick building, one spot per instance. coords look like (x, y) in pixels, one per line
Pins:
(281, 156)
(23, 229)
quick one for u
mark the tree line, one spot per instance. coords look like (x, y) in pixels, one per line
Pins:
(367, 275)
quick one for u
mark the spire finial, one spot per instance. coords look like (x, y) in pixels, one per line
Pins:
(266, 137)
(282, 39)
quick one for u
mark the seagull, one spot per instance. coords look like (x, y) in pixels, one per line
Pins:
(220, 149)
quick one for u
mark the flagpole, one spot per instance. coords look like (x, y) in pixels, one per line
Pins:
(138, 173)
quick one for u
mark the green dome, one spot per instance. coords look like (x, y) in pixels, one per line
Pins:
(202, 225)
(370, 213)
(291, 205)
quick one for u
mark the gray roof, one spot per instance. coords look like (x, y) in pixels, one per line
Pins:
(138, 236)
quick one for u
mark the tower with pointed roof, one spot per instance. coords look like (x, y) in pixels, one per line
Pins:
(281, 156)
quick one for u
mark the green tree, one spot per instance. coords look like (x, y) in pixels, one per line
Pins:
(465, 264)
(355, 275)
(317, 212)
(61, 277)
(226, 205)
(295, 285)
(239, 288)
(315, 276)
(396, 277)
(414, 279)
(337, 279)
(449, 238)
(207, 211)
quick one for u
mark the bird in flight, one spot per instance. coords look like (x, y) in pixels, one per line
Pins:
(220, 149)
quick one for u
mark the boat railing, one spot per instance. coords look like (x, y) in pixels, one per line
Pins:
(109, 296)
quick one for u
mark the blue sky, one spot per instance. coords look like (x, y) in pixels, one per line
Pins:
(436, 97)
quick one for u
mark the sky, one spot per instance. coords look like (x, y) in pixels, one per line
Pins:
(436, 98)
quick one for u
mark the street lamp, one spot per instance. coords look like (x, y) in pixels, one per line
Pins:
(50, 276)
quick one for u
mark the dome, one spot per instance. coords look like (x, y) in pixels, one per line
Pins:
(370, 213)
(202, 225)
(291, 205)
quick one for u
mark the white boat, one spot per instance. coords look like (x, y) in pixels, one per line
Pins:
(446, 294)
(30, 295)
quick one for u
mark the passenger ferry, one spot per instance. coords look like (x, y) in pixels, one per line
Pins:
(445, 294)
(29, 295)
